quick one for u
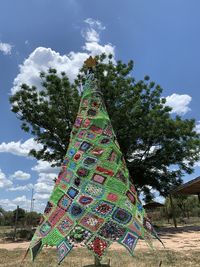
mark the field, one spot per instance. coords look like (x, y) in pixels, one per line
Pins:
(182, 248)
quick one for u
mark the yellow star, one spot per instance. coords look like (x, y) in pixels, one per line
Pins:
(90, 62)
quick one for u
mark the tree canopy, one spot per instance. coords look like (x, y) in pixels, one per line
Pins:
(158, 147)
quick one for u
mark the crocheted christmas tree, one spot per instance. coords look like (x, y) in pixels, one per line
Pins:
(93, 192)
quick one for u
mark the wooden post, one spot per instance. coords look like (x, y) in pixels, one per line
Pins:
(173, 214)
(16, 219)
(198, 197)
(97, 262)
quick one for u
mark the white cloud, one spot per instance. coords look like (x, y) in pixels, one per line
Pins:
(19, 148)
(42, 58)
(5, 48)
(45, 183)
(4, 182)
(27, 187)
(42, 196)
(45, 167)
(197, 128)
(23, 202)
(11, 204)
(179, 103)
(91, 35)
(95, 23)
(20, 175)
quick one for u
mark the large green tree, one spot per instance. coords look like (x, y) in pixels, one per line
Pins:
(151, 140)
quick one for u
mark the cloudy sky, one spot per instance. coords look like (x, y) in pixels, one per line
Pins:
(162, 37)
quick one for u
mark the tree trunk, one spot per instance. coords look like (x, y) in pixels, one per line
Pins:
(173, 214)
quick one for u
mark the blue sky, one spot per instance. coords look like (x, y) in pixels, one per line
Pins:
(162, 37)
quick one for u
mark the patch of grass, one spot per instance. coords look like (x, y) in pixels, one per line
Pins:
(82, 257)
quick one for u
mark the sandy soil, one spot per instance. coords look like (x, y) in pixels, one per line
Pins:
(182, 238)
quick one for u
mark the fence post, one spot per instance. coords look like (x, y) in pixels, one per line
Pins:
(15, 227)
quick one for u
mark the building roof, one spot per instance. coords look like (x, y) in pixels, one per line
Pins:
(190, 188)
(153, 205)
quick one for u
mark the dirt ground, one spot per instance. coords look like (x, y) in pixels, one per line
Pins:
(183, 238)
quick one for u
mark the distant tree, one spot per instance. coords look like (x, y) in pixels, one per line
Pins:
(2, 216)
(32, 218)
(184, 206)
(150, 138)
(21, 215)
(8, 216)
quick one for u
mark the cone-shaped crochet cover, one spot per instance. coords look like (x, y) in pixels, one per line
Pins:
(93, 194)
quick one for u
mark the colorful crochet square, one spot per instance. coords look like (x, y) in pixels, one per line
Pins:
(62, 250)
(91, 222)
(103, 208)
(130, 241)
(98, 246)
(93, 193)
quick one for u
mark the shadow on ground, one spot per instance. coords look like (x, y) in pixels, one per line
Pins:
(170, 231)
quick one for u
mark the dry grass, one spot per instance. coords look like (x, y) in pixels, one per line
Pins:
(81, 257)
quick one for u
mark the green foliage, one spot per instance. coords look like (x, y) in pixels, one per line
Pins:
(32, 218)
(184, 206)
(19, 215)
(150, 138)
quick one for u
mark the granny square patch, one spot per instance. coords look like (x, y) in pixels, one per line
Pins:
(85, 146)
(130, 241)
(86, 123)
(82, 172)
(45, 228)
(112, 197)
(103, 208)
(76, 210)
(135, 228)
(62, 250)
(100, 179)
(78, 122)
(56, 216)
(77, 181)
(36, 249)
(105, 141)
(48, 208)
(91, 222)
(72, 192)
(71, 152)
(90, 135)
(112, 230)
(66, 176)
(91, 112)
(94, 190)
(131, 197)
(81, 134)
(85, 200)
(98, 151)
(77, 156)
(122, 216)
(65, 225)
(121, 176)
(98, 246)
(64, 202)
(89, 161)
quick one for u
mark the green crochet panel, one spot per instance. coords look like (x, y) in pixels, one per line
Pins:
(93, 192)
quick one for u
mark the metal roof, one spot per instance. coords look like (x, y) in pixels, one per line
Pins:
(190, 188)
(153, 205)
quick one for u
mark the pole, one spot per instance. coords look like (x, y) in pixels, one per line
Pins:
(199, 197)
(31, 209)
(16, 219)
(173, 214)
(97, 262)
